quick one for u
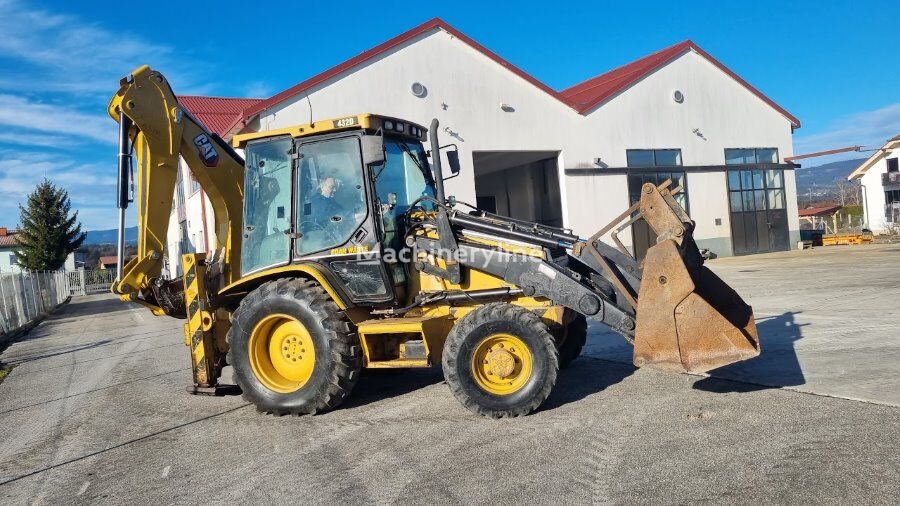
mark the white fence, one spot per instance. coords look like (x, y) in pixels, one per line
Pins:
(26, 296)
(87, 282)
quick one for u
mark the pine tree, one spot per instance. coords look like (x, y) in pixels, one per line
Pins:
(47, 232)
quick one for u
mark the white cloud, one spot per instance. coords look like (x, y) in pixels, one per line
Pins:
(20, 112)
(58, 72)
(68, 53)
(89, 185)
(30, 139)
(870, 128)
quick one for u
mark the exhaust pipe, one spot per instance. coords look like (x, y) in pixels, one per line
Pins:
(436, 161)
(122, 190)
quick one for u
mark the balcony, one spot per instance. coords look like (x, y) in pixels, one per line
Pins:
(890, 178)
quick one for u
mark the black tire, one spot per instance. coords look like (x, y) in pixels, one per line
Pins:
(337, 364)
(574, 336)
(471, 330)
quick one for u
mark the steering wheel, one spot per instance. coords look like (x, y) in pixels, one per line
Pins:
(314, 226)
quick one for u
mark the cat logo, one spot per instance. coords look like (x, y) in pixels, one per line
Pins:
(206, 150)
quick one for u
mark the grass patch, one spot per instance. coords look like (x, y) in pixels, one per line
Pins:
(4, 370)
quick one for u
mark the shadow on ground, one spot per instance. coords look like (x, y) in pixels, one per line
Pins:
(378, 384)
(586, 376)
(776, 366)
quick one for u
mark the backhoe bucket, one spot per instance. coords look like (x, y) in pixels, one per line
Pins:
(687, 318)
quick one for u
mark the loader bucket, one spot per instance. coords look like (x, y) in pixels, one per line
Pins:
(687, 318)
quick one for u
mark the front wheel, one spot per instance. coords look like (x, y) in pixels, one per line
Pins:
(500, 360)
(292, 349)
(573, 336)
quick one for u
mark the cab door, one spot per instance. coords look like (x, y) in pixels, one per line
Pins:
(335, 217)
(267, 204)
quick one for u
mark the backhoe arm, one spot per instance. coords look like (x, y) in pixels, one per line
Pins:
(160, 131)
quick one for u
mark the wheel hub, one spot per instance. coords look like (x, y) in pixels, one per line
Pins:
(282, 354)
(501, 364)
(292, 349)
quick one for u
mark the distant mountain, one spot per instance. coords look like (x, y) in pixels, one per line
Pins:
(110, 236)
(820, 178)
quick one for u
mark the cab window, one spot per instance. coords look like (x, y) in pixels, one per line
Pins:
(400, 182)
(331, 195)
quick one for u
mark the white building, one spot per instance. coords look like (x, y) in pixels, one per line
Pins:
(191, 226)
(575, 157)
(880, 180)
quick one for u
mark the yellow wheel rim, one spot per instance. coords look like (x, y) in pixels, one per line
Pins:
(501, 364)
(282, 354)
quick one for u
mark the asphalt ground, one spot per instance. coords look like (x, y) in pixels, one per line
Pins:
(95, 411)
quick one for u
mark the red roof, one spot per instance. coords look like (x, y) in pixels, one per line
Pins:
(9, 238)
(109, 260)
(586, 95)
(582, 97)
(217, 113)
(815, 211)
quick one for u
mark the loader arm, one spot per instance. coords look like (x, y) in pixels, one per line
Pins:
(678, 314)
(160, 131)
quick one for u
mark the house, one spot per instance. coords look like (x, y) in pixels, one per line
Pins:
(8, 246)
(574, 157)
(108, 262)
(819, 219)
(879, 177)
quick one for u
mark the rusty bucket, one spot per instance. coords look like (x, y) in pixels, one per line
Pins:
(687, 318)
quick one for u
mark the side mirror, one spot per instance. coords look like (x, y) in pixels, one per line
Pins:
(453, 161)
(373, 149)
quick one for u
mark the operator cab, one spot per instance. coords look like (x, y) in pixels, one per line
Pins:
(335, 192)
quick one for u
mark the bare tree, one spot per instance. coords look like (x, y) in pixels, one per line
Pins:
(847, 192)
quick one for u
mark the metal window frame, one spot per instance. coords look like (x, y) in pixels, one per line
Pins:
(765, 189)
(653, 152)
(755, 155)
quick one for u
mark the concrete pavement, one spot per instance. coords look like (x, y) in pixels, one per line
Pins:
(95, 412)
(828, 321)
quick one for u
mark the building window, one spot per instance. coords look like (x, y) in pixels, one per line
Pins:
(892, 165)
(653, 157)
(179, 190)
(755, 190)
(639, 158)
(750, 156)
(185, 246)
(194, 185)
(892, 205)
(642, 235)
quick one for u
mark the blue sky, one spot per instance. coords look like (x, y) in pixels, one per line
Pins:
(832, 64)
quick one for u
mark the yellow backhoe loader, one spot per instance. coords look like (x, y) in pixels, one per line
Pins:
(336, 249)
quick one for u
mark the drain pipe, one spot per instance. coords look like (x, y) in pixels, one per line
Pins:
(865, 192)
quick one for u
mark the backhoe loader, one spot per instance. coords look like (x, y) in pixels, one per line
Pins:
(336, 249)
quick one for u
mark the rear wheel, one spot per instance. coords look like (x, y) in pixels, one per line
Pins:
(292, 349)
(500, 361)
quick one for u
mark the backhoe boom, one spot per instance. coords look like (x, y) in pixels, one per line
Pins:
(160, 131)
